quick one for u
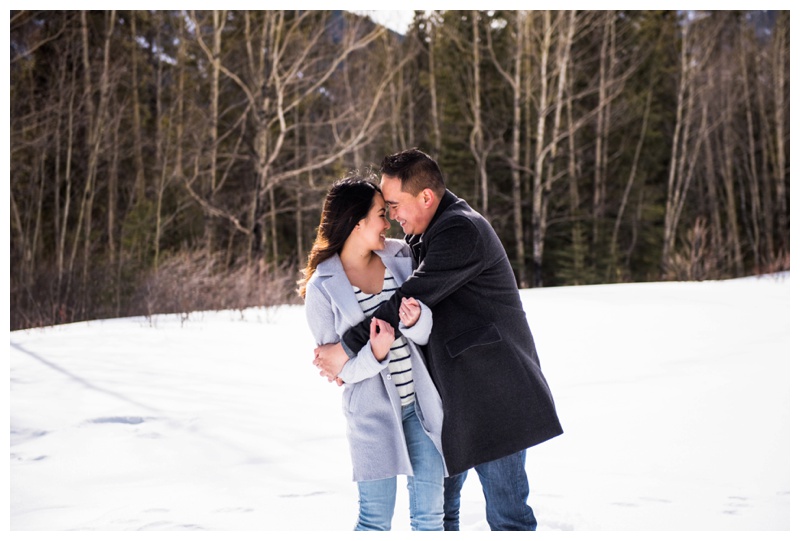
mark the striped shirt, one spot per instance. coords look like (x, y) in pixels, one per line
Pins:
(399, 354)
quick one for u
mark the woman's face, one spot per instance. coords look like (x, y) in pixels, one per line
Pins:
(373, 227)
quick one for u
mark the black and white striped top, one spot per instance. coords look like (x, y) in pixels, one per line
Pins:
(399, 354)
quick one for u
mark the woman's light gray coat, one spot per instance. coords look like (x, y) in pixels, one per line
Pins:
(370, 400)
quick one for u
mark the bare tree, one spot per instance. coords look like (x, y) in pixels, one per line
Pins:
(202, 142)
(602, 126)
(544, 44)
(435, 123)
(696, 47)
(480, 151)
(757, 210)
(138, 146)
(287, 65)
(96, 131)
(779, 60)
(631, 179)
(514, 79)
(557, 34)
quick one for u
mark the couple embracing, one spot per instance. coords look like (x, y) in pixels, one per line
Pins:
(430, 341)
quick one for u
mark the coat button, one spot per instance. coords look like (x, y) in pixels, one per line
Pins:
(388, 376)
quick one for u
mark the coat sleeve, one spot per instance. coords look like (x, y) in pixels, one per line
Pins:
(421, 330)
(454, 257)
(319, 314)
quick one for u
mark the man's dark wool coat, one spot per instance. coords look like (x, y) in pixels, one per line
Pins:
(480, 353)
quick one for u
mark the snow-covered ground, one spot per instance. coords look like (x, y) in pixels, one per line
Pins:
(674, 398)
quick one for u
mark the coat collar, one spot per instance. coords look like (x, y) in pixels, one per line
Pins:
(447, 199)
(335, 282)
(333, 265)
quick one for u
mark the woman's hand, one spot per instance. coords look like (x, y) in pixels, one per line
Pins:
(409, 311)
(330, 359)
(381, 337)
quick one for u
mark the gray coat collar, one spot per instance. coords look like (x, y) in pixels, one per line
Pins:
(333, 265)
(335, 282)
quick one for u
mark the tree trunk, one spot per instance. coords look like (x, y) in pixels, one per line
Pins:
(697, 46)
(95, 121)
(68, 193)
(714, 204)
(514, 80)
(779, 60)
(539, 154)
(437, 132)
(516, 136)
(138, 152)
(209, 187)
(476, 143)
(578, 245)
(162, 121)
(751, 166)
(566, 35)
(601, 132)
(113, 195)
(726, 151)
(678, 133)
(613, 269)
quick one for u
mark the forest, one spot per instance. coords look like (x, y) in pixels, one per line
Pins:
(176, 161)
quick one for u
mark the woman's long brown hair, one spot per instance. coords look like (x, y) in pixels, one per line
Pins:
(347, 203)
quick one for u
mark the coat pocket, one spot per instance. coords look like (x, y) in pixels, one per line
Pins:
(350, 397)
(480, 336)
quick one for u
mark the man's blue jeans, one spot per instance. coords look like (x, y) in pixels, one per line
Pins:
(505, 488)
(376, 499)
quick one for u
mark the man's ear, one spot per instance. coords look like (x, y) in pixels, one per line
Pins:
(428, 197)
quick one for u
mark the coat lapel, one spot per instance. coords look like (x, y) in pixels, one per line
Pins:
(399, 266)
(341, 291)
(418, 247)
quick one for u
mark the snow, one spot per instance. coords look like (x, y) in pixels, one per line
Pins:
(396, 20)
(674, 399)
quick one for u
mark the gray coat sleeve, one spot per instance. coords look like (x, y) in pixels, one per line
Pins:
(421, 330)
(321, 321)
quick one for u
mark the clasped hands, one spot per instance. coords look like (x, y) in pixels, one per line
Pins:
(331, 358)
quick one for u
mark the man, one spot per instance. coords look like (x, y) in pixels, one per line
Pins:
(480, 353)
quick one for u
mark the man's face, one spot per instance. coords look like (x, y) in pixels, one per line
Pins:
(411, 212)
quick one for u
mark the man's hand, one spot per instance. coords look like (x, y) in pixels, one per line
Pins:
(409, 311)
(330, 359)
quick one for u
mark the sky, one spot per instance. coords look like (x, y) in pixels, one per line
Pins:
(674, 399)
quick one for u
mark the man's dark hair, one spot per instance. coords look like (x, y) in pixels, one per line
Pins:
(416, 171)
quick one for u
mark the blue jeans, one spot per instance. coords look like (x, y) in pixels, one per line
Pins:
(425, 488)
(505, 488)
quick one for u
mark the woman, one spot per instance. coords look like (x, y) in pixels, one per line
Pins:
(393, 411)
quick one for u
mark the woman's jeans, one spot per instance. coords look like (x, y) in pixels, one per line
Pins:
(376, 499)
(505, 488)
